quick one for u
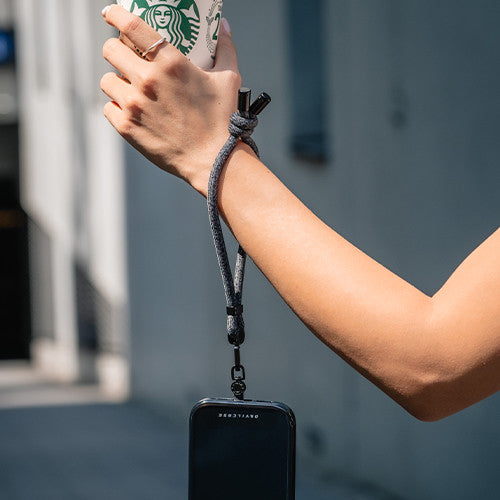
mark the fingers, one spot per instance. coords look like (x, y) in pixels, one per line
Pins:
(115, 88)
(129, 104)
(114, 115)
(132, 27)
(123, 59)
(225, 58)
(121, 121)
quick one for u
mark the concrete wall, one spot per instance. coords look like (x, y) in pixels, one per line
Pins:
(414, 182)
(422, 196)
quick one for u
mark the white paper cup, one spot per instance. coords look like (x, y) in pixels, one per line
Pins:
(190, 25)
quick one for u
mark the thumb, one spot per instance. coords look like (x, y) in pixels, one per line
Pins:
(225, 57)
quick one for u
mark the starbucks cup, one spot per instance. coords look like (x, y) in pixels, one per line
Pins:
(190, 25)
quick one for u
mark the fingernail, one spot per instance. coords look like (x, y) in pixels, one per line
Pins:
(105, 10)
(225, 26)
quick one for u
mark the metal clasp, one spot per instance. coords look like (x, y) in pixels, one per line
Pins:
(238, 387)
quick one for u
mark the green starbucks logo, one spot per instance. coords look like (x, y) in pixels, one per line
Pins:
(177, 20)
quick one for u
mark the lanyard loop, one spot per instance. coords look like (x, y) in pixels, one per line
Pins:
(242, 125)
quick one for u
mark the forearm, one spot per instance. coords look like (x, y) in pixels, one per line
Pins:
(369, 316)
(402, 340)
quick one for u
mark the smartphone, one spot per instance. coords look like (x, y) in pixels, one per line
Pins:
(241, 450)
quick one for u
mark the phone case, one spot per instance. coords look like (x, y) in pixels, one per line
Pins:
(239, 449)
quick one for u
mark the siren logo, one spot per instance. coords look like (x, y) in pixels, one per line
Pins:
(177, 20)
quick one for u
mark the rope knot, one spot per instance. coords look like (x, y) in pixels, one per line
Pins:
(240, 126)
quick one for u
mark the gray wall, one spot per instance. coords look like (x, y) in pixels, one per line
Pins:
(414, 182)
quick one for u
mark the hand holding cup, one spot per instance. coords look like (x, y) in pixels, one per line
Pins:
(173, 112)
(192, 26)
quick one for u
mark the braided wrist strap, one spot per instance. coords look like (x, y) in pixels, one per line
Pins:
(240, 127)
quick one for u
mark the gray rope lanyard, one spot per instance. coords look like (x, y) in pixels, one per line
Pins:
(241, 126)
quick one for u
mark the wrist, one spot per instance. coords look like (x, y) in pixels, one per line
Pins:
(241, 154)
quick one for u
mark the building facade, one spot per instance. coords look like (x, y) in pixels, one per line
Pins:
(72, 189)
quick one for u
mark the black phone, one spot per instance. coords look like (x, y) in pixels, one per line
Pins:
(241, 450)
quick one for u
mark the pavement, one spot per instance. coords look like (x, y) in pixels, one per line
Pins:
(60, 442)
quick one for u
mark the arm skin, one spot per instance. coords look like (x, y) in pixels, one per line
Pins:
(432, 355)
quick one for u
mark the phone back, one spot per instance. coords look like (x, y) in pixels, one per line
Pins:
(241, 449)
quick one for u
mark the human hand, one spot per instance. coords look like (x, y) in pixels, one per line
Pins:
(174, 113)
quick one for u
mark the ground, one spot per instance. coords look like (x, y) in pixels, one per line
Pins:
(60, 442)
